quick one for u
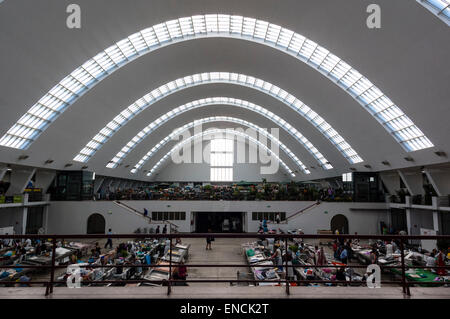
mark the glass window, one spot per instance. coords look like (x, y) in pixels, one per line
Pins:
(221, 160)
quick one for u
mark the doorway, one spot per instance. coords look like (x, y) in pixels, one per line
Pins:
(340, 223)
(96, 224)
(398, 220)
(219, 222)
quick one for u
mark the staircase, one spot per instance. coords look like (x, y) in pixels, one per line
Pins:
(173, 227)
(302, 211)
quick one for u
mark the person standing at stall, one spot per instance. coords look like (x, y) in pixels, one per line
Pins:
(440, 262)
(277, 257)
(321, 258)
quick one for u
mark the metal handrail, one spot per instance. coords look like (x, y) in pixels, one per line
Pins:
(50, 283)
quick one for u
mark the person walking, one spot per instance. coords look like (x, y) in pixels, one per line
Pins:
(109, 241)
(164, 231)
(157, 231)
(209, 239)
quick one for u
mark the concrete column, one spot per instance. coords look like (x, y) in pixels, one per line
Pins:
(408, 221)
(24, 220)
(19, 180)
(98, 182)
(24, 214)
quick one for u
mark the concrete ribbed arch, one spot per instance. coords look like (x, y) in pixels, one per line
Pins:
(176, 133)
(82, 79)
(218, 77)
(212, 101)
(219, 131)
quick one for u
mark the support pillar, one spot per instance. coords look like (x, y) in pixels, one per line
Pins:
(20, 177)
(44, 179)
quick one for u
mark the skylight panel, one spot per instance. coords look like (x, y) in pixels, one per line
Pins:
(150, 37)
(174, 29)
(296, 43)
(273, 32)
(115, 54)
(211, 23)
(319, 55)
(308, 48)
(340, 70)
(187, 27)
(236, 24)
(138, 42)
(261, 29)
(199, 24)
(285, 37)
(249, 26)
(223, 23)
(93, 68)
(161, 32)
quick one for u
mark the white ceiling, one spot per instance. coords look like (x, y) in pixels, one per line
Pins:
(407, 59)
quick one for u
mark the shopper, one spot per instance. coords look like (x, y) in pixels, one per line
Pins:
(344, 255)
(277, 257)
(209, 239)
(109, 241)
(321, 258)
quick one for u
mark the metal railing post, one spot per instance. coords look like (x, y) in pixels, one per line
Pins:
(286, 265)
(169, 287)
(52, 273)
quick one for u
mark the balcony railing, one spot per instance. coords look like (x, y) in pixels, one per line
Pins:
(402, 240)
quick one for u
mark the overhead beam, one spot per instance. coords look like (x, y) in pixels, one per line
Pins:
(20, 177)
(44, 179)
(413, 181)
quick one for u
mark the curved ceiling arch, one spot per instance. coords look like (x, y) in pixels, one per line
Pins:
(211, 101)
(175, 134)
(218, 77)
(65, 93)
(227, 132)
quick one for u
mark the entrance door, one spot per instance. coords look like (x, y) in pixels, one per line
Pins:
(96, 224)
(219, 222)
(339, 222)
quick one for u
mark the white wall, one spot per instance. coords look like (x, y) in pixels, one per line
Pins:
(11, 216)
(71, 217)
(420, 219)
